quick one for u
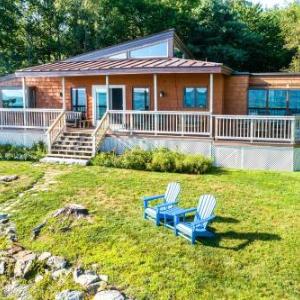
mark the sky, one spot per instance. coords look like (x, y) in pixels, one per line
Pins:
(271, 3)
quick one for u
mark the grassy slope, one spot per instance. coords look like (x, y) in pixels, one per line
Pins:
(253, 256)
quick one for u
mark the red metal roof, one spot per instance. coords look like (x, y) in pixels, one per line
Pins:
(123, 66)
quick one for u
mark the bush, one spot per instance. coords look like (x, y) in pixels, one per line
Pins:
(12, 152)
(105, 159)
(136, 158)
(161, 160)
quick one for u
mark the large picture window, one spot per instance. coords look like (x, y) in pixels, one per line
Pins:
(141, 99)
(11, 98)
(195, 97)
(273, 102)
(157, 50)
(79, 100)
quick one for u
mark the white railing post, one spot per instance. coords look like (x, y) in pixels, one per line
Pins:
(293, 131)
(182, 127)
(130, 122)
(251, 130)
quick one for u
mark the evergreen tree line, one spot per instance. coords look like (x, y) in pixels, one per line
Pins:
(242, 35)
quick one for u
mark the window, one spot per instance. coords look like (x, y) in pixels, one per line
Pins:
(79, 99)
(294, 102)
(12, 98)
(273, 102)
(141, 99)
(157, 50)
(195, 97)
(119, 56)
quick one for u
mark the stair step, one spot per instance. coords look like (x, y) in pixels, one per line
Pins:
(72, 152)
(71, 148)
(74, 138)
(65, 160)
(74, 143)
(74, 134)
(69, 156)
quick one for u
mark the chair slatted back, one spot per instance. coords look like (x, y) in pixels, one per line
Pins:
(172, 192)
(205, 208)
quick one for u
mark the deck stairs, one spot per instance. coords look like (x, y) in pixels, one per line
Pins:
(71, 147)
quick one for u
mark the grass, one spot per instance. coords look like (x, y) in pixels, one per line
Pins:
(254, 254)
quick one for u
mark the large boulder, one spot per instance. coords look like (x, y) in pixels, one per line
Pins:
(24, 264)
(44, 256)
(109, 295)
(69, 295)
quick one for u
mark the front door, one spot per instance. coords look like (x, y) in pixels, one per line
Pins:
(101, 102)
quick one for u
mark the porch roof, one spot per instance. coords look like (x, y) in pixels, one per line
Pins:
(123, 66)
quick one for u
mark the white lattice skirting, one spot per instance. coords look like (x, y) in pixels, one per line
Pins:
(22, 137)
(280, 158)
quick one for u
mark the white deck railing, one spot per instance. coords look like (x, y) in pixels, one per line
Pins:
(257, 128)
(161, 122)
(99, 132)
(56, 129)
(27, 118)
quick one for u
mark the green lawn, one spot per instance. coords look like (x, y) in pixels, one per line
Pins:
(255, 253)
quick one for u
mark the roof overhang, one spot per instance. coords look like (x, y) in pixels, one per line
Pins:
(200, 70)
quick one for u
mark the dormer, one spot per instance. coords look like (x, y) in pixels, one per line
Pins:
(161, 45)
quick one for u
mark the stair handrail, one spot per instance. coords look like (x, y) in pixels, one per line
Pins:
(99, 132)
(56, 129)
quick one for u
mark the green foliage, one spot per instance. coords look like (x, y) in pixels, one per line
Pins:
(160, 160)
(254, 253)
(236, 32)
(12, 152)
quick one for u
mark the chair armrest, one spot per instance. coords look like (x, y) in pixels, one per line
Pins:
(151, 198)
(206, 220)
(165, 205)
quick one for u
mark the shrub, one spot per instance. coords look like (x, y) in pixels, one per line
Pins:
(161, 160)
(196, 164)
(105, 159)
(136, 158)
(12, 152)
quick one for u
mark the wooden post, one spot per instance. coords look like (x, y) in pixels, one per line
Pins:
(107, 91)
(63, 91)
(211, 103)
(155, 103)
(24, 101)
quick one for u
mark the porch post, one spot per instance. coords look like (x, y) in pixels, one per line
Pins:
(155, 103)
(107, 90)
(63, 91)
(211, 103)
(24, 100)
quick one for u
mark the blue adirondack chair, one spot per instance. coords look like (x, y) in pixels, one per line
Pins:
(170, 199)
(198, 227)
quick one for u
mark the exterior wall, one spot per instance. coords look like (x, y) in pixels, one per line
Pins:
(236, 91)
(237, 156)
(283, 82)
(48, 91)
(12, 82)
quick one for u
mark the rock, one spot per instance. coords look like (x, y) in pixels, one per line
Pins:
(15, 249)
(37, 230)
(69, 295)
(17, 290)
(77, 272)
(103, 277)
(109, 295)
(72, 209)
(22, 254)
(2, 267)
(59, 273)
(24, 265)
(38, 278)
(103, 286)
(8, 178)
(4, 218)
(56, 262)
(44, 256)
(87, 279)
(93, 288)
